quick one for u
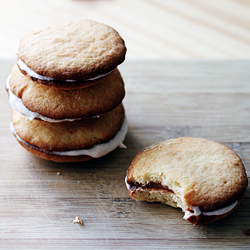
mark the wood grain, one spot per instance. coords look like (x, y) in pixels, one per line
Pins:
(164, 99)
(151, 28)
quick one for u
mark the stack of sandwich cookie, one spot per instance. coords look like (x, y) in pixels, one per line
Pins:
(66, 91)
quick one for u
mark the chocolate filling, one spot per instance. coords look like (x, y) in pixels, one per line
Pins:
(150, 186)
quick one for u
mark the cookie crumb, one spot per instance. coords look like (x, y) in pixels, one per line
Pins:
(77, 220)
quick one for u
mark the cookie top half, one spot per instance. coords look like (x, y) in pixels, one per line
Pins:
(199, 172)
(73, 50)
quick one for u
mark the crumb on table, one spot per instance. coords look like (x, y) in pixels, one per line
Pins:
(77, 220)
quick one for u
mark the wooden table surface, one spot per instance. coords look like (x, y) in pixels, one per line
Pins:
(164, 99)
(180, 29)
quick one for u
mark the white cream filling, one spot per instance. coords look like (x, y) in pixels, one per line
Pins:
(127, 185)
(17, 104)
(196, 209)
(32, 73)
(96, 151)
(198, 212)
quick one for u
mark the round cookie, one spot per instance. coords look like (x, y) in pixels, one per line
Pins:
(204, 178)
(53, 104)
(70, 54)
(71, 141)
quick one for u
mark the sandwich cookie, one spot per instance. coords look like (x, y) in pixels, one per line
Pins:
(206, 179)
(54, 105)
(71, 141)
(70, 54)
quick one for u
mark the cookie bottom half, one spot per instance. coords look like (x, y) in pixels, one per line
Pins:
(96, 151)
(71, 141)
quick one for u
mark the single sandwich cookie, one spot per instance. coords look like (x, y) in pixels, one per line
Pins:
(204, 178)
(71, 141)
(70, 54)
(54, 105)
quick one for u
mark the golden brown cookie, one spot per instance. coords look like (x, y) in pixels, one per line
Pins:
(70, 54)
(71, 141)
(46, 103)
(204, 178)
